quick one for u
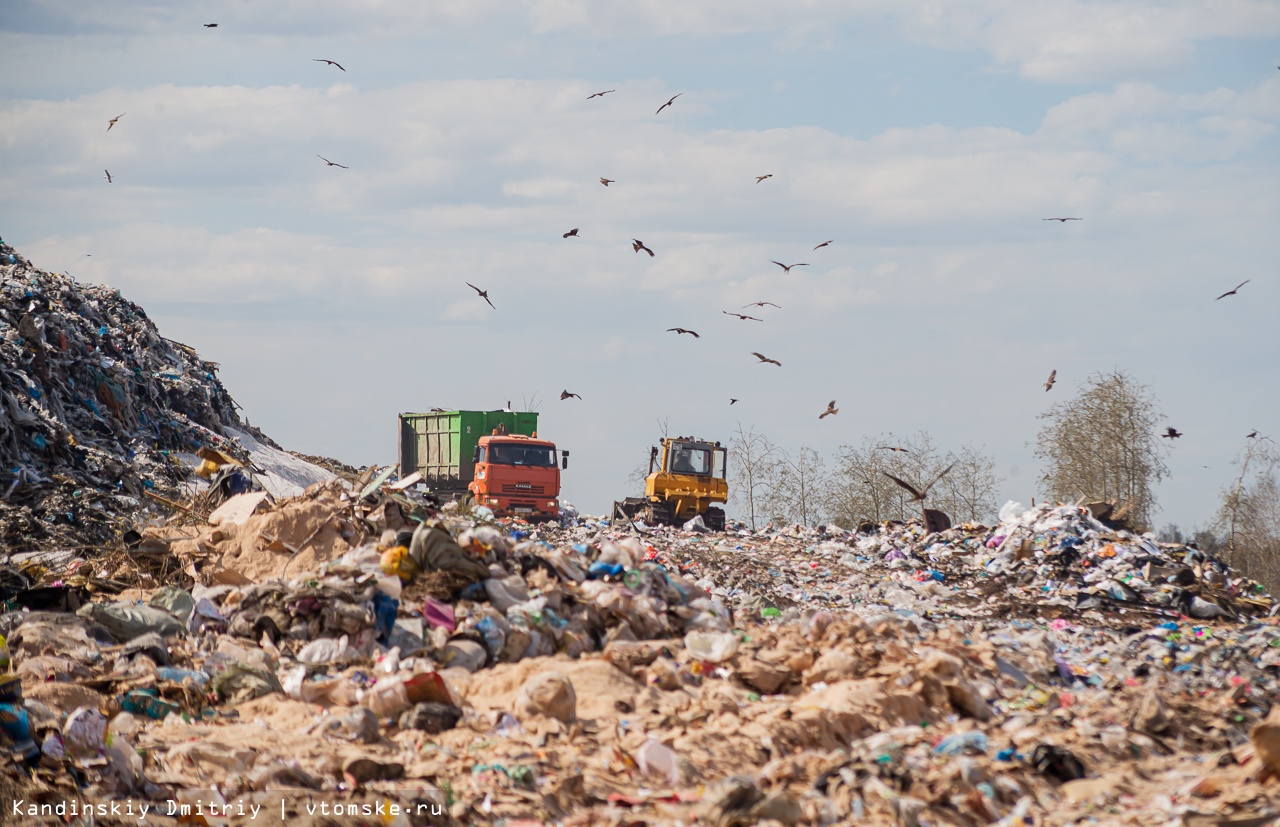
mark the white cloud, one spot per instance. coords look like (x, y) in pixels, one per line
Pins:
(1082, 42)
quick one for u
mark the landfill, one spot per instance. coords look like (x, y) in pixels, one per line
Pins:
(354, 651)
(102, 418)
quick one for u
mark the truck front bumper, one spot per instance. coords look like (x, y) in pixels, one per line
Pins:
(526, 507)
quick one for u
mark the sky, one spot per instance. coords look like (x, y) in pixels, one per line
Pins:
(927, 140)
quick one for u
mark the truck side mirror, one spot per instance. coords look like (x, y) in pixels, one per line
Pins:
(564, 459)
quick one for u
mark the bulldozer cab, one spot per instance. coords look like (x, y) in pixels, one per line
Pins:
(688, 457)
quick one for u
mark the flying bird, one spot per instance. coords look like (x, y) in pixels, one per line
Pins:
(484, 294)
(742, 317)
(608, 181)
(112, 122)
(1053, 375)
(330, 62)
(1170, 432)
(1233, 290)
(678, 330)
(668, 103)
(211, 25)
(565, 395)
(786, 268)
(601, 94)
(638, 245)
(762, 304)
(919, 495)
(571, 234)
(107, 174)
(893, 448)
(1062, 220)
(764, 358)
(824, 244)
(330, 163)
(830, 411)
(732, 401)
(760, 178)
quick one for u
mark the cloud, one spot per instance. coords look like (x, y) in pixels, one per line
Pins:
(1081, 42)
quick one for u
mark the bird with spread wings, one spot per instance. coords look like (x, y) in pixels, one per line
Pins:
(484, 294)
(918, 494)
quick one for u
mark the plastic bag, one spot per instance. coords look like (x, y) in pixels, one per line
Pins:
(327, 650)
(503, 594)
(84, 734)
(126, 621)
(1011, 511)
(387, 697)
(657, 759)
(716, 647)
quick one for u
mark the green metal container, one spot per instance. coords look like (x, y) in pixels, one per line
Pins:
(441, 445)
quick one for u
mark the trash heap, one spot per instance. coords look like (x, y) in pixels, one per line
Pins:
(1045, 562)
(357, 647)
(100, 415)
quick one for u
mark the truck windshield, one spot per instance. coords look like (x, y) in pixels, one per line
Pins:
(537, 456)
(690, 459)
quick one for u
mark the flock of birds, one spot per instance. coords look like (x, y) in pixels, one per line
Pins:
(638, 246)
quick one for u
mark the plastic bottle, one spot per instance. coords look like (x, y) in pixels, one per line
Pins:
(961, 742)
(170, 673)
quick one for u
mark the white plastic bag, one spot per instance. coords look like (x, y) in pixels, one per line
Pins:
(327, 650)
(387, 697)
(1011, 511)
(716, 647)
(657, 759)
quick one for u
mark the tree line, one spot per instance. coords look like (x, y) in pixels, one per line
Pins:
(771, 483)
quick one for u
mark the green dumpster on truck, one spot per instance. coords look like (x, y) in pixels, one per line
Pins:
(441, 445)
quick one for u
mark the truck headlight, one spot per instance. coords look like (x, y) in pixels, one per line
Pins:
(551, 503)
(493, 501)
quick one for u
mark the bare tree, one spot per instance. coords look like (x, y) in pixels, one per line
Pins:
(859, 489)
(1102, 445)
(640, 473)
(754, 463)
(1249, 516)
(799, 487)
(968, 493)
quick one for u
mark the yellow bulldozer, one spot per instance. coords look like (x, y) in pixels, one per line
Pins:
(688, 482)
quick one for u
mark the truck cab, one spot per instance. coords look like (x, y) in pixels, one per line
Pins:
(518, 475)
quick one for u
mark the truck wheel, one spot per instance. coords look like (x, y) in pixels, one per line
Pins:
(715, 519)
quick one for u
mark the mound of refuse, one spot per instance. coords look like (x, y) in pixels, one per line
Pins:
(101, 417)
(358, 647)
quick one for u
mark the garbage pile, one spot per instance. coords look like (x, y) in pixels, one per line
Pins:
(101, 417)
(356, 648)
(1046, 562)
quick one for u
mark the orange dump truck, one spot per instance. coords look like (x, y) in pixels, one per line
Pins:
(495, 455)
